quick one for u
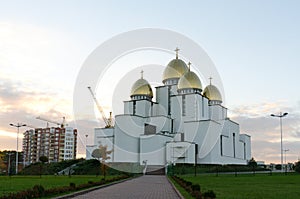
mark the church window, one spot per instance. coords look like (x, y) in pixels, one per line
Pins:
(183, 105)
(233, 140)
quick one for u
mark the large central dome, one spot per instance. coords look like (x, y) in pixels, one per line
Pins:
(175, 69)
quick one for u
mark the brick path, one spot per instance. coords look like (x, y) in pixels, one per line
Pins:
(148, 186)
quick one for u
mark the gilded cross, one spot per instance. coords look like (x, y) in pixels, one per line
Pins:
(176, 50)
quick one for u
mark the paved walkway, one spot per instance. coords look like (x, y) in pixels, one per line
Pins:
(148, 186)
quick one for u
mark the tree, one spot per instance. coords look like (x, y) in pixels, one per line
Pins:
(2, 164)
(252, 164)
(43, 160)
(96, 154)
(102, 154)
(297, 166)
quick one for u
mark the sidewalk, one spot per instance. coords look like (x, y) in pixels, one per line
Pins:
(147, 186)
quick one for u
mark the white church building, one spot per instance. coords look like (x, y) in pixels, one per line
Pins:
(186, 123)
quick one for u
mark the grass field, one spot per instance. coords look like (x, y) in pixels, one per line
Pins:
(249, 186)
(18, 183)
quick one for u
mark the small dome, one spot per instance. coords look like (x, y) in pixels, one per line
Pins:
(189, 81)
(175, 69)
(212, 93)
(141, 88)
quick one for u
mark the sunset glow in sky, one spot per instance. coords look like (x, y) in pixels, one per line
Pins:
(255, 46)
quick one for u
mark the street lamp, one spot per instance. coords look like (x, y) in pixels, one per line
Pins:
(18, 125)
(281, 115)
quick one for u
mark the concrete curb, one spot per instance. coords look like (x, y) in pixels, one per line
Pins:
(176, 190)
(71, 195)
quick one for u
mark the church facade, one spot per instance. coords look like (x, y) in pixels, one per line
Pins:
(185, 124)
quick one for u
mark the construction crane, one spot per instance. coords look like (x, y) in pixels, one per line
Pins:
(30, 126)
(53, 122)
(108, 122)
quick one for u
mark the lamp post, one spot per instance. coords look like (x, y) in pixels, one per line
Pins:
(18, 125)
(281, 115)
(86, 150)
(86, 139)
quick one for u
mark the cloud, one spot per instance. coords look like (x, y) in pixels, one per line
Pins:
(256, 121)
(20, 104)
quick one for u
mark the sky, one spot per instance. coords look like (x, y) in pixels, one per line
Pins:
(253, 44)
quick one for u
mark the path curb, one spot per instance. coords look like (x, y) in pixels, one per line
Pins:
(176, 190)
(71, 195)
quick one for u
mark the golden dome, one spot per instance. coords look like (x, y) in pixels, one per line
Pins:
(141, 87)
(189, 80)
(175, 69)
(212, 93)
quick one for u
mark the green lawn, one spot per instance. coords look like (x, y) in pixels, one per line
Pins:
(249, 186)
(17, 183)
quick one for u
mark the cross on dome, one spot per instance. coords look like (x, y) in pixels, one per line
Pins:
(142, 74)
(210, 78)
(176, 50)
(189, 64)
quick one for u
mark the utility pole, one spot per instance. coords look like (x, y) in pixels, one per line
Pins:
(18, 125)
(281, 115)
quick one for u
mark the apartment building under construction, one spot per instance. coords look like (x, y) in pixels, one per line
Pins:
(55, 143)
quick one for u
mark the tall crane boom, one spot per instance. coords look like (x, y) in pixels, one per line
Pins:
(108, 122)
(30, 126)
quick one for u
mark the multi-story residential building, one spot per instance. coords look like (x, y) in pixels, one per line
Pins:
(55, 143)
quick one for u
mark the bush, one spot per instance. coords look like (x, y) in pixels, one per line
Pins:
(72, 185)
(209, 194)
(39, 189)
(196, 187)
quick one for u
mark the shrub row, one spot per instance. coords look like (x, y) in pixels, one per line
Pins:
(194, 189)
(39, 191)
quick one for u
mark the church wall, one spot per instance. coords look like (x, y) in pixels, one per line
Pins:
(128, 107)
(162, 99)
(176, 112)
(205, 107)
(153, 149)
(196, 107)
(193, 133)
(162, 123)
(230, 143)
(159, 110)
(180, 152)
(247, 140)
(217, 112)
(143, 108)
(173, 90)
(127, 131)
(89, 150)
(104, 136)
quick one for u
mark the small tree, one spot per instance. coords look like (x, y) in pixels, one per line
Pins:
(96, 154)
(102, 154)
(252, 164)
(43, 160)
